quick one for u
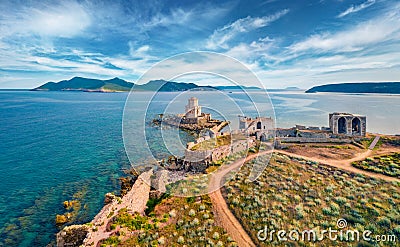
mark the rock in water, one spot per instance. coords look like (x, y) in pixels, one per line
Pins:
(72, 235)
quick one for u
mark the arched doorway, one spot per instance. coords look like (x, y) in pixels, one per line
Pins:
(342, 126)
(263, 137)
(259, 125)
(356, 126)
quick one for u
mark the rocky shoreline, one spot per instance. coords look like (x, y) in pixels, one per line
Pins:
(90, 234)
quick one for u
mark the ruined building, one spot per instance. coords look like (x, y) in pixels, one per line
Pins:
(348, 124)
(261, 127)
(193, 114)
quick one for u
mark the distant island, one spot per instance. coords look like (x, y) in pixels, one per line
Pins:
(117, 85)
(292, 89)
(361, 87)
(87, 84)
(237, 88)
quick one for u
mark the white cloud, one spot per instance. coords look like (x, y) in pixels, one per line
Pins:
(177, 16)
(254, 51)
(222, 36)
(356, 38)
(67, 19)
(196, 17)
(138, 52)
(356, 8)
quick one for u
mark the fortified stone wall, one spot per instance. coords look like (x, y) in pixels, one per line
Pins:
(285, 132)
(314, 140)
(160, 180)
(308, 134)
(220, 152)
(135, 201)
(198, 155)
(239, 146)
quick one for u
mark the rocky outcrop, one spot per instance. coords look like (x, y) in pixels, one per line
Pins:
(109, 198)
(72, 235)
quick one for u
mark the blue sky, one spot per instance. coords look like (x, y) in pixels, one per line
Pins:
(286, 43)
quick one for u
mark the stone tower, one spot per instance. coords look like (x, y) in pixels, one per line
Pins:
(192, 109)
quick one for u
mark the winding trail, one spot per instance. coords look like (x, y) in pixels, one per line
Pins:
(222, 213)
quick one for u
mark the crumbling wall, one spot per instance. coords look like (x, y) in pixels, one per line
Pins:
(285, 132)
(313, 140)
(139, 194)
(160, 181)
(311, 134)
(198, 155)
(220, 152)
(240, 145)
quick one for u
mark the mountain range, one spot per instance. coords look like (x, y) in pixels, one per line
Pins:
(116, 85)
(119, 85)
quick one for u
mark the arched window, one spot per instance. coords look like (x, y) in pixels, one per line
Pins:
(342, 129)
(356, 126)
(259, 125)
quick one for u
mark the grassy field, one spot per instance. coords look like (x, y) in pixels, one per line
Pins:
(391, 140)
(293, 194)
(386, 164)
(175, 221)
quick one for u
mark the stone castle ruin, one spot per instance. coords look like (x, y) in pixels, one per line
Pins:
(193, 119)
(348, 124)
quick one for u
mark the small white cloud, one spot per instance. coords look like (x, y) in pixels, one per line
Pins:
(222, 36)
(144, 48)
(356, 8)
(176, 16)
(139, 52)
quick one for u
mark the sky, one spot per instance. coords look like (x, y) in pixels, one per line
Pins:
(284, 42)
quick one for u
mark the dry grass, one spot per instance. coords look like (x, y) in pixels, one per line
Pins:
(176, 221)
(325, 151)
(297, 194)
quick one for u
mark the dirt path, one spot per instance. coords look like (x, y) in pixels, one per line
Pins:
(223, 214)
(344, 164)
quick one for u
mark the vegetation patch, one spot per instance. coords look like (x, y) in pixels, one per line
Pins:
(175, 221)
(386, 164)
(391, 140)
(153, 202)
(213, 143)
(331, 146)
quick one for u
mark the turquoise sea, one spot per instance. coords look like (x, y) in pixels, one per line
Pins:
(57, 144)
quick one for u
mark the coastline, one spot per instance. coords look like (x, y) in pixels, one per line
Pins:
(94, 231)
